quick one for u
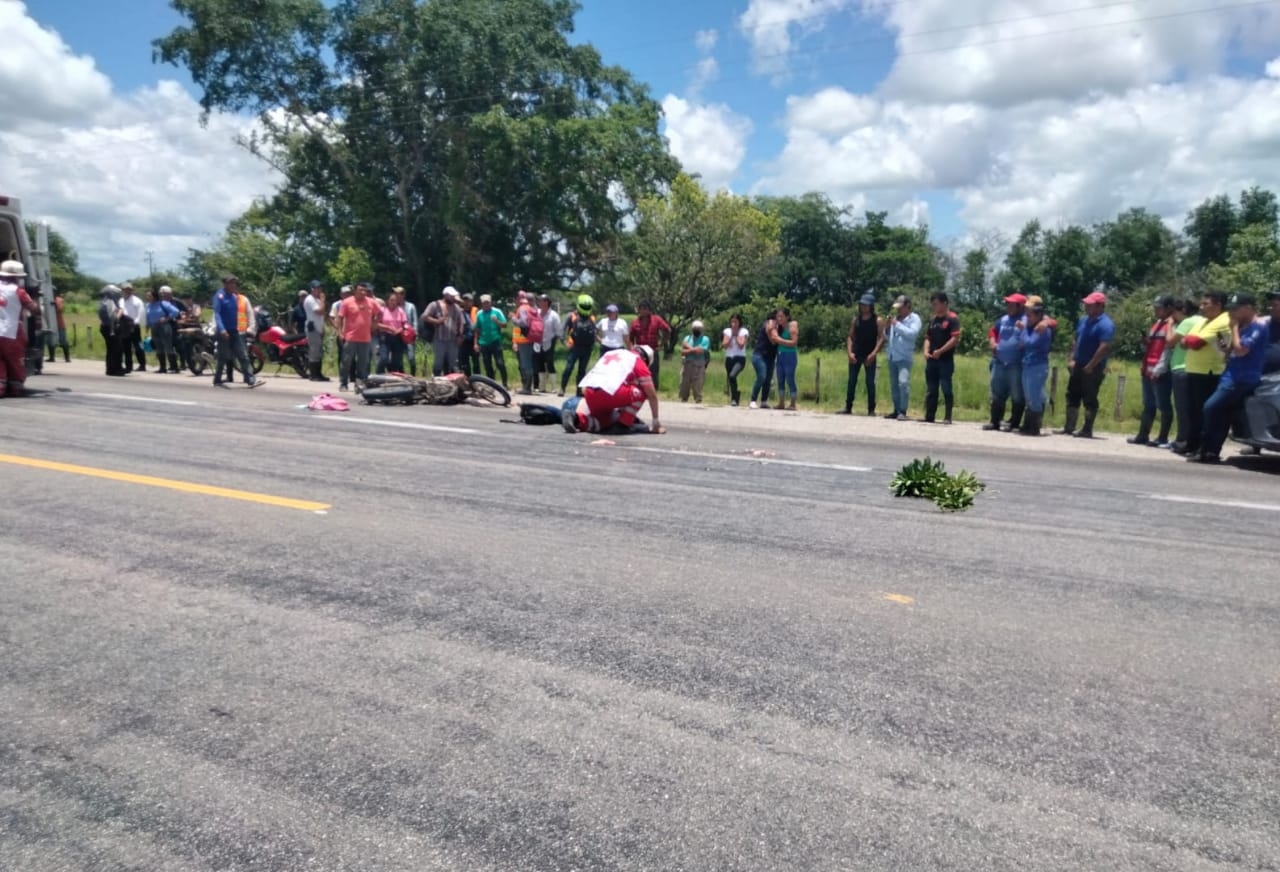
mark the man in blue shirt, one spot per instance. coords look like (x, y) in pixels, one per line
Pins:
(227, 320)
(1006, 365)
(1088, 363)
(1246, 357)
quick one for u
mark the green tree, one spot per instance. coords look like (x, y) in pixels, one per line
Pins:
(1209, 228)
(691, 253)
(886, 256)
(1070, 271)
(1258, 206)
(456, 141)
(255, 256)
(350, 266)
(817, 250)
(1253, 262)
(1024, 265)
(1135, 250)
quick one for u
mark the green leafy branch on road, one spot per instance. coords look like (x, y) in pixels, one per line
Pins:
(928, 479)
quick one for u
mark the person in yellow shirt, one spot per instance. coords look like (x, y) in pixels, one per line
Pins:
(1206, 345)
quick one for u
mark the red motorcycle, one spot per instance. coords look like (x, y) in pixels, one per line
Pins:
(276, 346)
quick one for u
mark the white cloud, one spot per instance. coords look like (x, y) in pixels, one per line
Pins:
(41, 81)
(710, 140)
(706, 40)
(1165, 147)
(1003, 52)
(769, 24)
(1273, 69)
(118, 175)
(704, 73)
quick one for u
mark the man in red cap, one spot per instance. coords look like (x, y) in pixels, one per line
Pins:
(1006, 364)
(1088, 363)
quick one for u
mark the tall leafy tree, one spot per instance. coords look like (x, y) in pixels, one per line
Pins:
(889, 256)
(1253, 263)
(1135, 250)
(1024, 264)
(1259, 206)
(691, 252)
(1070, 268)
(816, 261)
(1209, 229)
(456, 141)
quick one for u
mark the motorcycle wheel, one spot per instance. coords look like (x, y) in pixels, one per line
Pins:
(489, 390)
(299, 364)
(401, 394)
(197, 363)
(257, 359)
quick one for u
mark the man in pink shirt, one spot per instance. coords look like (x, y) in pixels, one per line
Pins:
(395, 320)
(356, 316)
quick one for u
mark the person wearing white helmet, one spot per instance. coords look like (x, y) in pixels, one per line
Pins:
(614, 392)
(15, 305)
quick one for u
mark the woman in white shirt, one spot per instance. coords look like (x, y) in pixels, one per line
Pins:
(734, 343)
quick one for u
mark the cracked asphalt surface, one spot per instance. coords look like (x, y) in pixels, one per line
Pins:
(506, 648)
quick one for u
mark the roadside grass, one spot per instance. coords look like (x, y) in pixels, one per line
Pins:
(821, 377)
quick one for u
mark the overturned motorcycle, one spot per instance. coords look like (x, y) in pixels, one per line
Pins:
(398, 389)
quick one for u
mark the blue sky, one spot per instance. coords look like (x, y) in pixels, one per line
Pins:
(972, 116)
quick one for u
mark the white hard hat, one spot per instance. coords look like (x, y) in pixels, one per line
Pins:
(646, 352)
(12, 268)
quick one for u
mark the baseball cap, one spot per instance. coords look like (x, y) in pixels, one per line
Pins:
(902, 300)
(486, 298)
(867, 299)
(346, 289)
(696, 325)
(1095, 298)
(316, 284)
(611, 308)
(1165, 301)
(165, 289)
(1016, 298)
(1241, 300)
(228, 277)
(542, 297)
(452, 292)
(1035, 300)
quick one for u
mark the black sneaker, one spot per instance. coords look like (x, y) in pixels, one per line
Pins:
(845, 412)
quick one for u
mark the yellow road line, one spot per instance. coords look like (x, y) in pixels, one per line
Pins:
(170, 484)
(901, 599)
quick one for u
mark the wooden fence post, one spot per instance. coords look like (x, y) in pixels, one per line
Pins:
(817, 381)
(1053, 389)
(1120, 380)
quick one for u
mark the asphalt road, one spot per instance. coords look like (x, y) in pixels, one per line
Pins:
(505, 648)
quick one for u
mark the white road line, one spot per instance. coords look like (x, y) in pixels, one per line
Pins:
(404, 425)
(1226, 504)
(132, 399)
(747, 458)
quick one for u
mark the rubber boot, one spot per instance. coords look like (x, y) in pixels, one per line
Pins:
(997, 414)
(1015, 417)
(947, 404)
(1144, 428)
(930, 409)
(1031, 424)
(173, 363)
(1069, 427)
(1086, 432)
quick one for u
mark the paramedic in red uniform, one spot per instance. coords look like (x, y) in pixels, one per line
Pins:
(14, 306)
(616, 389)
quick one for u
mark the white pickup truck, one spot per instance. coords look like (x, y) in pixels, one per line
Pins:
(14, 245)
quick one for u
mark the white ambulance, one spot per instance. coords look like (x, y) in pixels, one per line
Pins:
(14, 245)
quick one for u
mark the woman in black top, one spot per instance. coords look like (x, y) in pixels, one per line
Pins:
(763, 359)
(866, 335)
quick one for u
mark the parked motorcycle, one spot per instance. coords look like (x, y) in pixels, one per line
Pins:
(198, 343)
(445, 390)
(276, 346)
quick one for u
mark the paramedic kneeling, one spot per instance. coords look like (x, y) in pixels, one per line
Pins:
(615, 390)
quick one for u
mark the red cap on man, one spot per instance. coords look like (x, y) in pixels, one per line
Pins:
(1015, 298)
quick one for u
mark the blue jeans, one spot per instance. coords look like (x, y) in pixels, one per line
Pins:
(1219, 412)
(851, 392)
(1034, 377)
(900, 384)
(231, 350)
(786, 368)
(1157, 396)
(764, 376)
(1006, 383)
(580, 355)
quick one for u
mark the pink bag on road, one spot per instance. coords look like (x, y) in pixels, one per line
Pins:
(328, 403)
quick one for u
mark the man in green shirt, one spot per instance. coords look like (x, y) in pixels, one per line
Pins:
(1186, 317)
(488, 337)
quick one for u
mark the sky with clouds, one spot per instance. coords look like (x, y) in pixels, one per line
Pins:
(972, 117)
